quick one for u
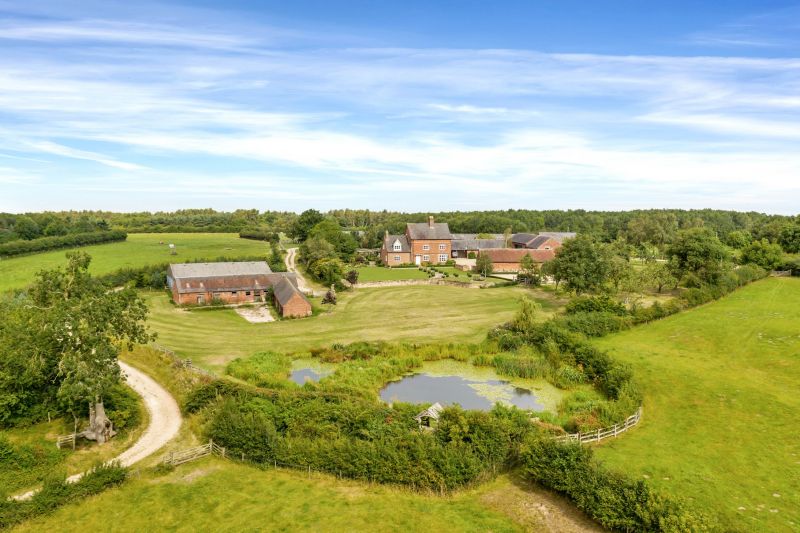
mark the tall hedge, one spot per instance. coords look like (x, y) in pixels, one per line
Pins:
(44, 244)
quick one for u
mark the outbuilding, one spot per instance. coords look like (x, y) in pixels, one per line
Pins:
(289, 301)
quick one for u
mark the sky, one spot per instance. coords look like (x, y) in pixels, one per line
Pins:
(401, 105)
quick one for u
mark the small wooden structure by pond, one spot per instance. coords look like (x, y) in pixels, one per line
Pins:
(429, 415)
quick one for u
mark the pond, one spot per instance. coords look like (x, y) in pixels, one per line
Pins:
(310, 370)
(451, 382)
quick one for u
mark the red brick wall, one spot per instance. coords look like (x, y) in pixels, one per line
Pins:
(297, 306)
(417, 248)
(226, 297)
(388, 257)
(505, 267)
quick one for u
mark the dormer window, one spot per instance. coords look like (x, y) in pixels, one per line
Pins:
(397, 246)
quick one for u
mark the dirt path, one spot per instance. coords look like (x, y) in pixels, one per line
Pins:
(165, 421)
(291, 266)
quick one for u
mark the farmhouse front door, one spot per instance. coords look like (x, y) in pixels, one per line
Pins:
(418, 260)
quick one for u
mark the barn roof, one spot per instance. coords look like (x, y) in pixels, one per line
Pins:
(284, 291)
(477, 244)
(515, 255)
(522, 238)
(431, 412)
(211, 270)
(560, 236)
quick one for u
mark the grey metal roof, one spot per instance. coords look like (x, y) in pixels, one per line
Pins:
(389, 241)
(212, 270)
(426, 231)
(470, 236)
(284, 290)
(538, 241)
(522, 238)
(560, 236)
(477, 244)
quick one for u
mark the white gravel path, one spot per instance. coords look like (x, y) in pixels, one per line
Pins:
(165, 421)
(291, 266)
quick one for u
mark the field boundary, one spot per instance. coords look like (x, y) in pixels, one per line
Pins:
(603, 433)
(181, 363)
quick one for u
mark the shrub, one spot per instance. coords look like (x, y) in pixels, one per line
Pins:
(595, 324)
(616, 502)
(263, 369)
(122, 407)
(595, 304)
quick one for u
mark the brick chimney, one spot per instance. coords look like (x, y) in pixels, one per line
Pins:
(430, 221)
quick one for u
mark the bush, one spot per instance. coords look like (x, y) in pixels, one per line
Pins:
(122, 407)
(595, 304)
(263, 369)
(616, 502)
(56, 492)
(65, 241)
(595, 324)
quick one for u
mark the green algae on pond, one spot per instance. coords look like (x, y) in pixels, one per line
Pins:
(452, 382)
(308, 369)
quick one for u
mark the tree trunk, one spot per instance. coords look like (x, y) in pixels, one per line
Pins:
(100, 429)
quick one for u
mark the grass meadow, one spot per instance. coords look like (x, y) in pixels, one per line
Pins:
(722, 397)
(138, 250)
(411, 313)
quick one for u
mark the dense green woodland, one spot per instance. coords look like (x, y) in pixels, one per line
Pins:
(655, 226)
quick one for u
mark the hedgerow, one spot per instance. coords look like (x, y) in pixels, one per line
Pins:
(43, 244)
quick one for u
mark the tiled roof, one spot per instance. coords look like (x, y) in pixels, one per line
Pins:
(470, 236)
(522, 238)
(427, 231)
(389, 241)
(284, 290)
(515, 255)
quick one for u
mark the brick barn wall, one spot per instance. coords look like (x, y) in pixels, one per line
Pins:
(297, 306)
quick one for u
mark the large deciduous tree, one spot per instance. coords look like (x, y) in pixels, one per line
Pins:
(307, 220)
(74, 328)
(762, 253)
(699, 252)
(583, 264)
(483, 264)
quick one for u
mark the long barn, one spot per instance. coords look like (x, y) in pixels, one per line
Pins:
(228, 283)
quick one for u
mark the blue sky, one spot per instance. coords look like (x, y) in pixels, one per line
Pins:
(413, 105)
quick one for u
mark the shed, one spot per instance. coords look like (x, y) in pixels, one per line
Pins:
(431, 414)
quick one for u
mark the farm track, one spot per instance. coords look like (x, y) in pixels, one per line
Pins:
(165, 421)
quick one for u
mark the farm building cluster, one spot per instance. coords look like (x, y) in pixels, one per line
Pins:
(238, 282)
(432, 243)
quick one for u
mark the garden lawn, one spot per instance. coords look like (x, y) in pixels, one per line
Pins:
(217, 495)
(722, 398)
(375, 273)
(411, 313)
(138, 250)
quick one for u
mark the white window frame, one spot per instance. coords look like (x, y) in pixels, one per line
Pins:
(426, 247)
(426, 258)
(397, 247)
(442, 258)
(442, 247)
(397, 258)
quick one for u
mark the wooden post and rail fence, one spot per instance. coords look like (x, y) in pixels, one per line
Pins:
(604, 433)
(190, 454)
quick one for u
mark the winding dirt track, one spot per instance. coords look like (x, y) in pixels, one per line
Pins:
(291, 266)
(165, 421)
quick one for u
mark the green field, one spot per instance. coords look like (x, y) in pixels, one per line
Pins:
(721, 387)
(413, 313)
(138, 250)
(374, 273)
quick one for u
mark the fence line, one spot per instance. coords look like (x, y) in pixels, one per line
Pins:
(66, 439)
(182, 363)
(197, 452)
(781, 273)
(604, 433)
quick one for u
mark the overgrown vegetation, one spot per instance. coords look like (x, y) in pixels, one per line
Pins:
(43, 244)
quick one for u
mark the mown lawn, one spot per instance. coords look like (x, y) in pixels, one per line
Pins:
(138, 250)
(412, 313)
(216, 495)
(722, 398)
(374, 273)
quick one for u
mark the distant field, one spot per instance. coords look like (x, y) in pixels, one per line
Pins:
(374, 273)
(412, 313)
(139, 249)
(721, 423)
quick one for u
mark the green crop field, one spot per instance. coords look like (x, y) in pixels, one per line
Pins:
(721, 386)
(413, 313)
(138, 250)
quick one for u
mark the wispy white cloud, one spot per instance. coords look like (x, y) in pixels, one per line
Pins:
(341, 123)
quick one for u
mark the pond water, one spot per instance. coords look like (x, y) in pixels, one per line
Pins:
(451, 382)
(309, 370)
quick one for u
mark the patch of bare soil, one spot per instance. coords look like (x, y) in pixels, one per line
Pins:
(198, 473)
(538, 509)
(256, 315)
